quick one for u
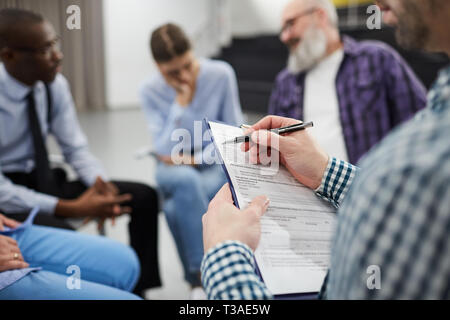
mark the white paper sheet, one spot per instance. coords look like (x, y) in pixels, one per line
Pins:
(294, 250)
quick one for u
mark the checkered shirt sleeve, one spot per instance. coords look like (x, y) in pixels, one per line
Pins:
(336, 181)
(228, 273)
(392, 236)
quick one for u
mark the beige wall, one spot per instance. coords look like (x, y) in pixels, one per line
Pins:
(83, 49)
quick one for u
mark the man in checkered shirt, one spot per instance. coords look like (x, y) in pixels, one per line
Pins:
(393, 213)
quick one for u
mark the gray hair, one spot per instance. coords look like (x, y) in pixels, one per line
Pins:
(329, 8)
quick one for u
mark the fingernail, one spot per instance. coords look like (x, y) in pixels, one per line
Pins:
(255, 136)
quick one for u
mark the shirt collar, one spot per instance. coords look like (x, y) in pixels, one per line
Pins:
(439, 95)
(444, 76)
(350, 45)
(15, 89)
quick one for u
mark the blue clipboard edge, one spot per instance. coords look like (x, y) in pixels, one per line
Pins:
(291, 296)
(222, 163)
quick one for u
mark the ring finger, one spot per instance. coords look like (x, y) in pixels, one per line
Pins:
(16, 256)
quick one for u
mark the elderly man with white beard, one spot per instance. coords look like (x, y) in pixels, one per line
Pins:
(355, 92)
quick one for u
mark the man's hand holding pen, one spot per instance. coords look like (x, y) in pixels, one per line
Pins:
(298, 151)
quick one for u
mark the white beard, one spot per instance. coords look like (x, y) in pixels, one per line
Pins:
(309, 52)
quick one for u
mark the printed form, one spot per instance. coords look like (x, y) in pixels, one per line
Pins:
(294, 251)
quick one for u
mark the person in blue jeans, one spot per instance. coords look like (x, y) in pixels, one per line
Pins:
(46, 263)
(175, 101)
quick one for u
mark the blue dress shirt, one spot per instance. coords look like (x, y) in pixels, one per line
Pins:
(216, 98)
(16, 143)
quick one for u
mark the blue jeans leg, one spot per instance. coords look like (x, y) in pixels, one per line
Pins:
(213, 178)
(46, 285)
(188, 190)
(100, 260)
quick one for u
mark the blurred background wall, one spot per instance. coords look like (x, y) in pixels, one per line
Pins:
(128, 25)
(83, 49)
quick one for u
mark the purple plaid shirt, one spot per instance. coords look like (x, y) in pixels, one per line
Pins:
(376, 91)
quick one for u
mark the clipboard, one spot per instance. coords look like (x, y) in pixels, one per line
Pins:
(290, 296)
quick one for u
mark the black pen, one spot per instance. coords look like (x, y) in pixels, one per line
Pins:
(292, 128)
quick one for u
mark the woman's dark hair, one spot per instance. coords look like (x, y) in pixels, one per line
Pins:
(167, 42)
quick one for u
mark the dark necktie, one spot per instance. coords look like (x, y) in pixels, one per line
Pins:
(44, 175)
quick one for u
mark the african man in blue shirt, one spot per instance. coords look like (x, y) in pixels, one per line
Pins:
(35, 100)
(175, 101)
